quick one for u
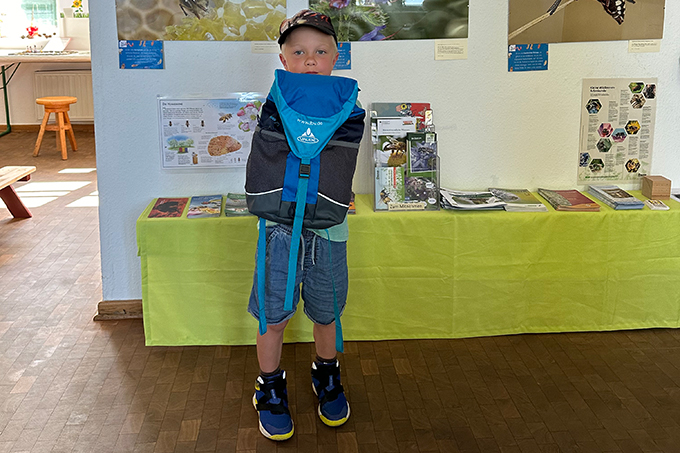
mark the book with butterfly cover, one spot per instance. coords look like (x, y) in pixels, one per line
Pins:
(168, 207)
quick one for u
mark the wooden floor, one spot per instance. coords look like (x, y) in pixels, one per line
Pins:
(69, 384)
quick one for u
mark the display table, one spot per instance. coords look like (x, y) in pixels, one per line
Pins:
(428, 274)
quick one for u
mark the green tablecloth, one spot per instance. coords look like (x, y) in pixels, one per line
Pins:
(428, 274)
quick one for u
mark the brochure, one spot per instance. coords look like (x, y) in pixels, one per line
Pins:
(519, 200)
(235, 205)
(568, 200)
(168, 207)
(389, 187)
(615, 197)
(205, 206)
(464, 200)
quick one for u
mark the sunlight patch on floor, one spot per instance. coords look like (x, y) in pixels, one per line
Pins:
(77, 170)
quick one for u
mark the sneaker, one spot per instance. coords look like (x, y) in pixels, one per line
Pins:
(271, 402)
(333, 406)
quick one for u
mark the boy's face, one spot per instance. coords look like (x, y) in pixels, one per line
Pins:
(309, 51)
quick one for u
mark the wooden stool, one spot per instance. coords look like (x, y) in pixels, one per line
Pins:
(59, 105)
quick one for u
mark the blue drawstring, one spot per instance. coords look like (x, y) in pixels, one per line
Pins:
(336, 311)
(261, 262)
(300, 203)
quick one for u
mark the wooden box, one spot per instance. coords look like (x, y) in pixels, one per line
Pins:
(656, 187)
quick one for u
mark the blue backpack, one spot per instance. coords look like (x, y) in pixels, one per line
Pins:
(301, 164)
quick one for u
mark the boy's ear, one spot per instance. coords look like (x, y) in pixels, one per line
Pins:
(283, 61)
(337, 55)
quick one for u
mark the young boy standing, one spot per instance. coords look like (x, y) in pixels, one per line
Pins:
(308, 46)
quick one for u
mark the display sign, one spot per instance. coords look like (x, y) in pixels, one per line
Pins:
(617, 129)
(208, 132)
(133, 54)
(527, 57)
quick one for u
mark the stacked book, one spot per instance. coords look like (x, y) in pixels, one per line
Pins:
(615, 197)
(568, 200)
(471, 201)
(518, 200)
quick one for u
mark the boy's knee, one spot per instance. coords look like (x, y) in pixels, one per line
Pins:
(278, 328)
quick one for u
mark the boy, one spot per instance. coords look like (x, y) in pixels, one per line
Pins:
(308, 46)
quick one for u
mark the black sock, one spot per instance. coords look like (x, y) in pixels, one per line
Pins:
(273, 373)
(323, 361)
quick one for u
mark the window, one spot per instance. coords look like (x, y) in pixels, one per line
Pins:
(43, 13)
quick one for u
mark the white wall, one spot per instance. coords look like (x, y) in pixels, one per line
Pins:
(494, 127)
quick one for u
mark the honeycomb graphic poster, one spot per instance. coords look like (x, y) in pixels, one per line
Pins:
(552, 21)
(200, 20)
(617, 129)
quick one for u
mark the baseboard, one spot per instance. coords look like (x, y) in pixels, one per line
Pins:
(87, 127)
(109, 310)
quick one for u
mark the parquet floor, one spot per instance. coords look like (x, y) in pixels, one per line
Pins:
(68, 384)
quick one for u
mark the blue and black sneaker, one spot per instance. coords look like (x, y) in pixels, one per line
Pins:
(271, 402)
(333, 406)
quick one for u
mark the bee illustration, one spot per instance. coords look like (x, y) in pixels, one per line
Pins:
(196, 7)
(385, 197)
(225, 116)
(615, 8)
(187, 123)
(397, 150)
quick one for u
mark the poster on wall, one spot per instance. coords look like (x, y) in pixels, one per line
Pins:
(550, 21)
(617, 129)
(208, 132)
(380, 20)
(199, 20)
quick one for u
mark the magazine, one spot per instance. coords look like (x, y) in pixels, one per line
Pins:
(352, 206)
(421, 111)
(568, 200)
(463, 200)
(389, 187)
(675, 195)
(205, 206)
(390, 141)
(168, 207)
(519, 200)
(421, 153)
(615, 197)
(235, 205)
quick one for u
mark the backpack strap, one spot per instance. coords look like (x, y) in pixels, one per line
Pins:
(261, 263)
(300, 203)
(336, 311)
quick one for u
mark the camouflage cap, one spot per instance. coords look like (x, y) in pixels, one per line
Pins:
(307, 18)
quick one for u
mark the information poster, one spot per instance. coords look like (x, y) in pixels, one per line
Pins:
(617, 129)
(208, 132)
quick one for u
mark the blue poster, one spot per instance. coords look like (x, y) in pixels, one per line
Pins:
(527, 57)
(135, 54)
(345, 54)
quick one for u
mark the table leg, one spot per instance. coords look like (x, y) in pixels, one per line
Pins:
(4, 89)
(14, 204)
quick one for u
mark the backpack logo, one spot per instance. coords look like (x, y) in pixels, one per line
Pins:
(308, 137)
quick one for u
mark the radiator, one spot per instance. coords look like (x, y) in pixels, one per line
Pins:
(76, 83)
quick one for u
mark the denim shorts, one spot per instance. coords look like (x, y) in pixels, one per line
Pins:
(313, 272)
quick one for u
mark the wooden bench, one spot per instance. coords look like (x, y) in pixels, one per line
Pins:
(8, 176)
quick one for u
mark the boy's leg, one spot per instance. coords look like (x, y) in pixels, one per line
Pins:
(269, 347)
(333, 407)
(324, 340)
(271, 396)
(327, 273)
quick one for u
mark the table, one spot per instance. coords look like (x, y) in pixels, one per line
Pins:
(8, 176)
(9, 58)
(428, 274)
